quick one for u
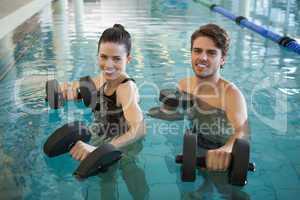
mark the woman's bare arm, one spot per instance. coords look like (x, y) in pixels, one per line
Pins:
(128, 97)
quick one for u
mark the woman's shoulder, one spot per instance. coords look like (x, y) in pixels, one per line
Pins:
(127, 90)
(127, 84)
(99, 80)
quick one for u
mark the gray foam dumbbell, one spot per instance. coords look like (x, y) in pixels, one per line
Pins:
(237, 171)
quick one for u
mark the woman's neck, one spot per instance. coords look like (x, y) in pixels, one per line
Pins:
(115, 82)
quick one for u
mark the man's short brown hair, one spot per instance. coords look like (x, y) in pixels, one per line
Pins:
(218, 35)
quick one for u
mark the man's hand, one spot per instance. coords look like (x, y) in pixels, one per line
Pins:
(218, 159)
(81, 150)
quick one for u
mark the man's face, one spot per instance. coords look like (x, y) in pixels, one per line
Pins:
(206, 57)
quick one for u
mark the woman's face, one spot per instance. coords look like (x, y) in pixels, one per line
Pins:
(113, 58)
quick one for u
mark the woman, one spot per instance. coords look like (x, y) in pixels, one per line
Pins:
(119, 120)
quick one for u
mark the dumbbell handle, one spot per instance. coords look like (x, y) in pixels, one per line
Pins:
(201, 162)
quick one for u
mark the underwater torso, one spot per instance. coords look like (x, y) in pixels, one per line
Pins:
(211, 126)
(109, 120)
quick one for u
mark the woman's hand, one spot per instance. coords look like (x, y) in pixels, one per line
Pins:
(81, 150)
(69, 90)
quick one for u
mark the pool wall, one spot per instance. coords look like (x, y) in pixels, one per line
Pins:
(14, 28)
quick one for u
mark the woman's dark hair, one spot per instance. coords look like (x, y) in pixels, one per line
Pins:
(116, 34)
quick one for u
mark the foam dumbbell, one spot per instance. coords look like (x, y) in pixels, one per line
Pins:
(170, 100)
(86, 91)
(54, 95)
(65, 137)
(98, 161)
(237, 171)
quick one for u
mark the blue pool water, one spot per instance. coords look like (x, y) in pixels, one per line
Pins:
(60, 42)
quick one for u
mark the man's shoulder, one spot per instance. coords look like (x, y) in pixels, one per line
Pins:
(229, 86)
(231, 91)
(184, 83)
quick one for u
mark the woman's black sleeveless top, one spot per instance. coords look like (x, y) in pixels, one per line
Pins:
(109, 120)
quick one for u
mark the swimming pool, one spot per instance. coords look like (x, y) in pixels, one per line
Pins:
(61, 42)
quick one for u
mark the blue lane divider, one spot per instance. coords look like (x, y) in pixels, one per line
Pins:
(294, 46)
(284, 41)
(224, 12)
(260, 30)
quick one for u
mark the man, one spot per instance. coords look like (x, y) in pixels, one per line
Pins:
(213, 94)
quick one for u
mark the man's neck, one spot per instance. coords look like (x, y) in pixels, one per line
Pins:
(214, 79)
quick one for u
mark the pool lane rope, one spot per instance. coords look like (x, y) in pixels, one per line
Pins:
(283, 41)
